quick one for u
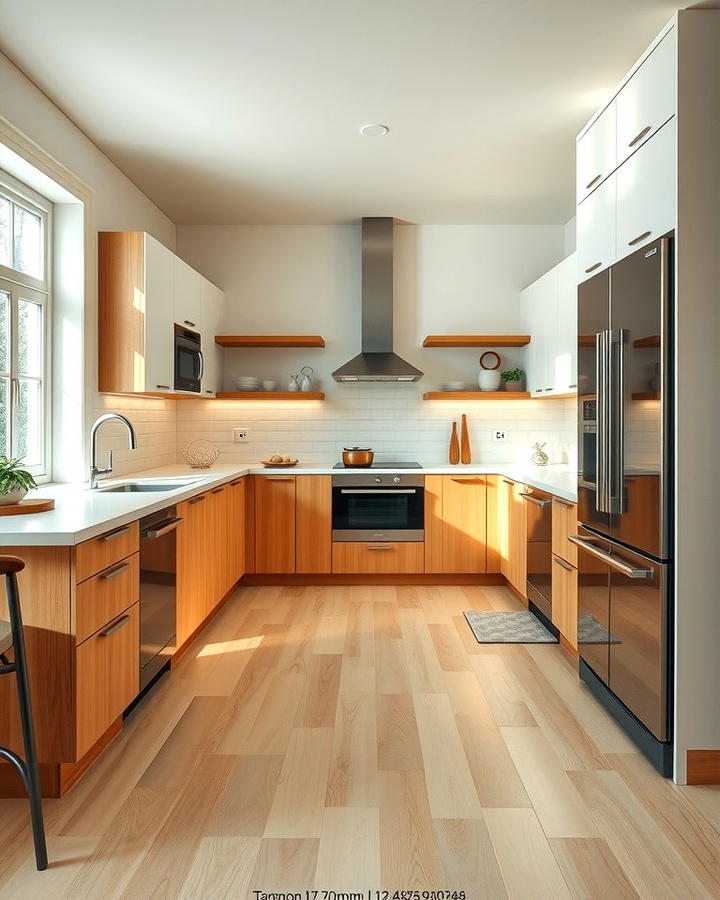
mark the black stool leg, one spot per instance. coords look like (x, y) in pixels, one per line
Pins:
(32, 779)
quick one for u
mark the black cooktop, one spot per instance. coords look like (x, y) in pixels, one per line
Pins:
(381, 465)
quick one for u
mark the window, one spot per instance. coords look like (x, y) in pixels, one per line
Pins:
(24, 326)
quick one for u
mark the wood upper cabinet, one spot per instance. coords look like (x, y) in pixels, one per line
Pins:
(513, 534)
(455, 523)
(313, 521)
(275, 524)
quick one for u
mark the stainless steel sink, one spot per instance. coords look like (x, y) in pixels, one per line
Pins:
(144, 487)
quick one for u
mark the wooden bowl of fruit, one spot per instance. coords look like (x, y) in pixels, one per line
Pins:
(278, 461)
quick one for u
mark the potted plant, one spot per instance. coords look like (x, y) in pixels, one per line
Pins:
(15, 481)
(512, 379)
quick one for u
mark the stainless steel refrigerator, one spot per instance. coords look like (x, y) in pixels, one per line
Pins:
(625, 493)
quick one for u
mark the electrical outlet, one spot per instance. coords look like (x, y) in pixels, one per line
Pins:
(499, 434)
(240, 435)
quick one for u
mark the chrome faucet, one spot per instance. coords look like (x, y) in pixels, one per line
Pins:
(132, 444)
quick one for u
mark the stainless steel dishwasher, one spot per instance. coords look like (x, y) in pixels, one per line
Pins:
(158, 583)
(538, 518)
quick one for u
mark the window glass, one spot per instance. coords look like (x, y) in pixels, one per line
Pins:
(4, 232)
(5, 415)
(29, 339)
(4, 331)
(29, 422)
(27, 243)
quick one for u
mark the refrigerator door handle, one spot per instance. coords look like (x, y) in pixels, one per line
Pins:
(615, 374)
(601, 492)
(615, 562)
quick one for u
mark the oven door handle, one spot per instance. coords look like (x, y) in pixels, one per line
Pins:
(378, 491)
(534, 500)
(615, 562)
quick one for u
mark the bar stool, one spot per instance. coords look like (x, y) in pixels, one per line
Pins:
(11, 637)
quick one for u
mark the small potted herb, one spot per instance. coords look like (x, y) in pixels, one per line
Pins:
(15, 481)
(512, 379)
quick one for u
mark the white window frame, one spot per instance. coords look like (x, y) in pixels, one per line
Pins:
(39, 291)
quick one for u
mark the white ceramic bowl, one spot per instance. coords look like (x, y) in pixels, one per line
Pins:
(269, 385)
(453, 386)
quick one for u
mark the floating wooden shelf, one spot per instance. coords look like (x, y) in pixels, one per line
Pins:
(652, 341)
(270, 395)
(647, 395)
(270, 340)
(476, 395)
(476, 340)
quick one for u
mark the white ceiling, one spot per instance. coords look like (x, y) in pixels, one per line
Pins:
(248, 111)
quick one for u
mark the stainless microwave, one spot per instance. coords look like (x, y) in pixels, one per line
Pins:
(189, 362)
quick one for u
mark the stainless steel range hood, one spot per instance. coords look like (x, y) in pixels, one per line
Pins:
(377, 362)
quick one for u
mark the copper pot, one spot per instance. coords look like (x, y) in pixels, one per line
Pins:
(357, 457)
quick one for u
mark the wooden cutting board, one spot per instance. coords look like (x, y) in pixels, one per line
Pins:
(25, 507)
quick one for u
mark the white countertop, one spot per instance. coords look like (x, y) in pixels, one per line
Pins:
(81, 514)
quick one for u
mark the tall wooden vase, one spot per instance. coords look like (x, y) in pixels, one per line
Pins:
(454, 452)
(465, 453)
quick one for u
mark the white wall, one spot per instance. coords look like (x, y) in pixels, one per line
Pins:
(306, 279)
(118, 205)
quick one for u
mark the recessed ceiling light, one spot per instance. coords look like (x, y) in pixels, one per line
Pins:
(374, 130)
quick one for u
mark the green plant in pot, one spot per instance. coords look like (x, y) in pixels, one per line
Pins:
(15, 481)
(512, 379)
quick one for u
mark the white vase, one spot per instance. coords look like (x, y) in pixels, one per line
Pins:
(489, 379)
(13, 497)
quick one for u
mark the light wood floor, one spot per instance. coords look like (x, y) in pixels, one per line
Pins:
(359, 738)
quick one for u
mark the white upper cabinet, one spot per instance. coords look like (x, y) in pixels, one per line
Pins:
(648, 99)
(159, 308)
(646, 192)
(213, 301)
(188, 296)
(596, 230)
(564, 348)
(596, 153)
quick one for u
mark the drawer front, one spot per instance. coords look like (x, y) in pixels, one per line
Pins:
(98, 553)
(103, 597)
(378, 558)
(596, 230)
(645, 199)
(647, 101)
(107, 672)
(564, 523)
(596, 153)
(565, 600)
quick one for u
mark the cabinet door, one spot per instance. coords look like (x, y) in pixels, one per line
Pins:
(648, 99)
(596, 230)
(563, 361)
(564, 524)
(517, 542)
(213, 301)
(405, 558)
(188, 296)
(193, 565)
(218, 546)
(313, 519)
(645, 193)
(107, 672)
(464, 513)
(540, 300)
(505, 500)
(236, 529)
(565, 600)
(596, 153)
(159, 316)
(274, 524)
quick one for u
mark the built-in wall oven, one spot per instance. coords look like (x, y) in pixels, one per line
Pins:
(188, 360)
(538, 520)
(368, 506)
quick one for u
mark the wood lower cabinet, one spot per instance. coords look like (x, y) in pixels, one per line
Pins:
(218, 558)
(512, 534)
(313, 524)
(237, 538)
(102, 551)
(353, 558)
(565, 599)
(455, 523)
(108, 676)
(192, 565)
(275, 524)
(100, 599)
(564, 523)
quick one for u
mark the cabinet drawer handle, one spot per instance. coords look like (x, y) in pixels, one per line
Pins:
(113, 572)
(563, 564)
(188, 322)
(197, 499)
(469, 480)
(239, 481)
(116, 625)
(640, 237)
(507, 481)
(217, 490)
(163, 387)
(531, 499)
(593, 267)
(640, 135)
(572, 385)
(593, 181)
(279, 477)
(563, 504)
(121, 532)
(379, 547)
